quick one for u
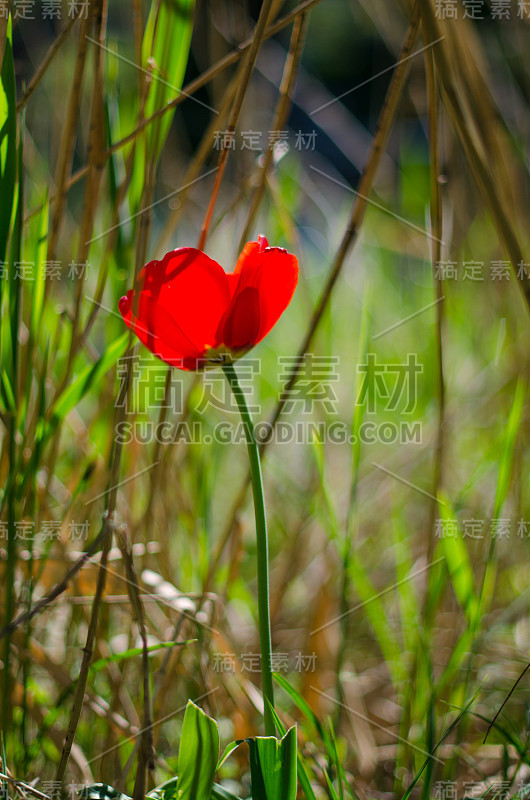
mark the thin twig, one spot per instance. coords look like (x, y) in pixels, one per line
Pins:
(436, 255)
(512, 690)
(386, 120)
(114, 471)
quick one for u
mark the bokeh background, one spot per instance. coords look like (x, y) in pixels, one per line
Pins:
(398, 505)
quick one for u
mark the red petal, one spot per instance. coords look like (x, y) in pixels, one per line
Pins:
(190, 292)
(273, 272)
(158, 331)
(242, 324)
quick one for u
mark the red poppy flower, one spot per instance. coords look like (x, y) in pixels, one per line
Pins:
(192, 314)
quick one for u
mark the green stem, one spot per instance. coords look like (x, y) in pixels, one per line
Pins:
(264, 622)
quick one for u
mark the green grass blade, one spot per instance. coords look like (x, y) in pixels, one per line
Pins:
(220, 793)
(166, 44)
(273, 766)
(168, 791)
(332, 792)
(336, 761)
(430, 745)
(508, 447)
(227, 751)
(303, 777)
(459, 564)
(198, 755)
(304, 707)
(444, 736)
(88, 378)
(503, 484)
(360, 405)
(165, 52)
(40, 277)
(8, 140)
(133, 652)
(15, 299)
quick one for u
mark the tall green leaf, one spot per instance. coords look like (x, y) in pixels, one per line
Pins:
(508, 447)
(165, 51)
(459, 564)
(14, 301)
(304, 707)
(37, 303)
(41, 247)
(198, 754)
(273, 766)
(503, 485)
(166, 47)
(303, 777)
(8, 143)
(8, 169)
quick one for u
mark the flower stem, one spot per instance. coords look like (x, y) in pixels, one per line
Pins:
(264, 623)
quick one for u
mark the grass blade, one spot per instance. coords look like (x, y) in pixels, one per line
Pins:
(8, 138)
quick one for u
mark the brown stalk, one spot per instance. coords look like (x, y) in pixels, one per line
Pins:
(239, 86)
(159, 471)
(120, 194)
(436, 256)
(146, 756)
(191, 174)
(138, 29)
(79, 339)
(113, 235)
(107, 526)
(360, 204)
